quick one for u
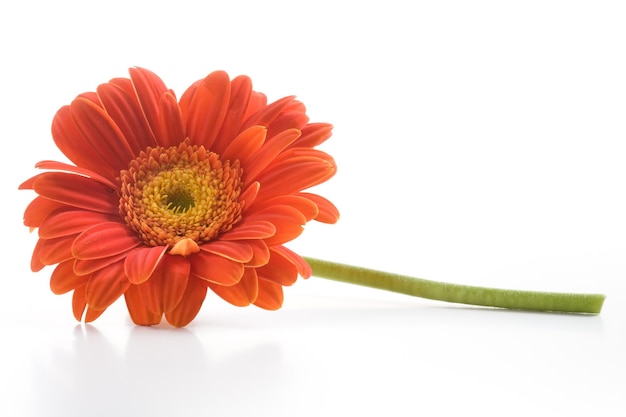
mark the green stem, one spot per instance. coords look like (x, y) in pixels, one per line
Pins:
(464, 294)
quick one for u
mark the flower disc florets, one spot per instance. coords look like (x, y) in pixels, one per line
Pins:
(169, 194)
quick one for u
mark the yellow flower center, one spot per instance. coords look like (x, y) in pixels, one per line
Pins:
(183, 192)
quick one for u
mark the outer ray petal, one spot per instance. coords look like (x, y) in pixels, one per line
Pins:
(138, 311)
(269, 151)
(106, 285)
(249, 194)
(261, 253)
(250, 229)
(149, 89)
(270, 295)
(190, 304)
(141, 262)
(63, 278)
(70, 222)
(60, 166)
(208, 109)
(175, 278)
(121, 104)
(53, 251)
(215, 268)
(166, 287)
(171, 126)
(76, 191)
(89, 266)
(314, 134)
(328, 213)
(256, 103)
(242, 293)
(102, 133)
(301, 174)
(70, 140)
(240, 92)
(289, 223)
(237, 251)
(267, 114)
(80, 308)
(287, 120)
(38, 210)
(245, 146)
(304, 205)
(304, 269)
(104, 240)
(279, 269)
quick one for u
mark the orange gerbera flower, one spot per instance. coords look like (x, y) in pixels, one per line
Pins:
(169, 198)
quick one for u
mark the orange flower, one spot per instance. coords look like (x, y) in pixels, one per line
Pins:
(169, 198)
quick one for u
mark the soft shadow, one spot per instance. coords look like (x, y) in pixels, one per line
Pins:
(158, 371)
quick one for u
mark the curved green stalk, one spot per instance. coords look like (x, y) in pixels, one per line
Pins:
(464, 294)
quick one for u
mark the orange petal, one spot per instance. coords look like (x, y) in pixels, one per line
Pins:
(279, 269)
(302, 173)
(60, 166)
(38, 210)
(304, 269)
(249, 194)
(208, 108)
(187, 97)
(242, 293)
(287, 120)
(314, 134)
(190, 304)
(53, 251)
(175, 277)
(104, 240)
(245, 146)
(166, 287)
(270, 150)
(120, 102)
(240, 92)
(185, 247)
(106, 285)
(140, 263)
(76, 191)
(270, 295)
(63, 278)
(81, 309)
(288, 221)
(215, 268)
(70, 140)
(79, 302)
(260, 253)
(257, 102)
(149, 89)
(304, 205)
(139, 313)
(266, 114)
(171, 126)
(101, 133)
(89, 266)
(237, 251)
(250, 229)
(69, 222)
(328, 213)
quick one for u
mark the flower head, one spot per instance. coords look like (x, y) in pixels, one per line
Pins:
(169, 198)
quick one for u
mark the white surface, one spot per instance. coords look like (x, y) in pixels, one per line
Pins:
(478, 142)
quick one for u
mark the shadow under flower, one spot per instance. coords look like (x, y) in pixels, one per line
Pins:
(159, 371)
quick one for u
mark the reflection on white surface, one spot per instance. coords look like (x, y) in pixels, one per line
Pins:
(157, 371)
(331, 355)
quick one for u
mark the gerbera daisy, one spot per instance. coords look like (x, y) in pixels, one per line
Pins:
(169, 198)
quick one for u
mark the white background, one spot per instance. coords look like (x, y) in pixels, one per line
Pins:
(478, 142)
